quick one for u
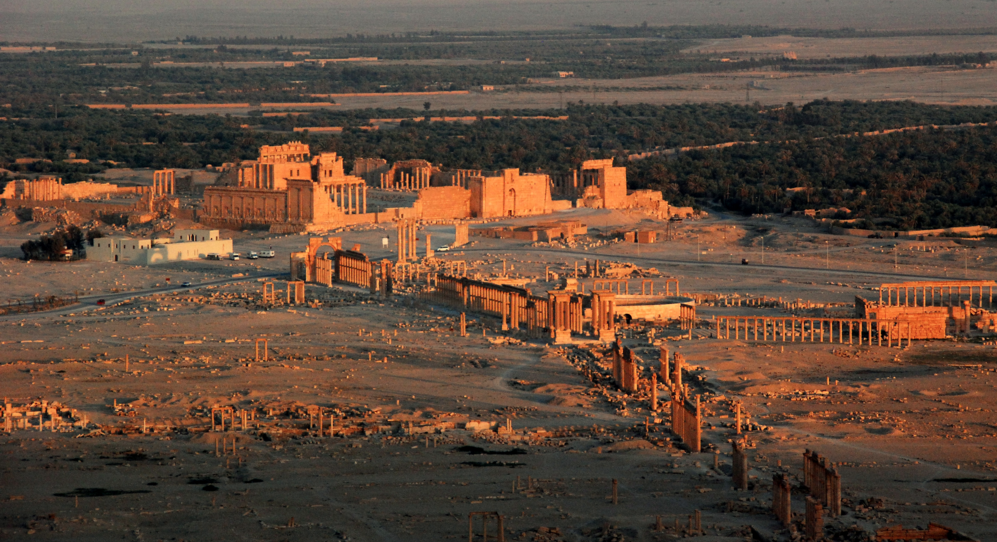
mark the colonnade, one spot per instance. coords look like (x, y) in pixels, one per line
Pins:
(687, 316)
(837, 330)
(565, 315)
(164, 182)
(515, 306)
(417, 179)
(406, 240)
(460, 177)
(617, 286)
(351, 198)
(823, 481)
(46, 189)
(687, 420)
(353, 268)
(949, 293)
(604, 315)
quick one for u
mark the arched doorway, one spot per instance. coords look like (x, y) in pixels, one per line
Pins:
(511, 203)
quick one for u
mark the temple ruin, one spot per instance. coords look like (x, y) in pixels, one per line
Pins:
(287, 185)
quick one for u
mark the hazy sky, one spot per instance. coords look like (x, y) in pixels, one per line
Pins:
(136, 20)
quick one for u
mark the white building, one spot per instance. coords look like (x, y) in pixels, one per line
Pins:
(185, 245)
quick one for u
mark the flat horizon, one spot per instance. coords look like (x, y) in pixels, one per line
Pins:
(129, 22)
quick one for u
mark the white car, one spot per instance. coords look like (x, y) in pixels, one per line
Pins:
(444, 248)
(253, 256)
(234, 256)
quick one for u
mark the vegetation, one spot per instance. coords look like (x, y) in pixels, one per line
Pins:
(930, 178)
(53, 247)
(920, 179)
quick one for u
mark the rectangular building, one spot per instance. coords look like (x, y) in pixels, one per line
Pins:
(185, 245)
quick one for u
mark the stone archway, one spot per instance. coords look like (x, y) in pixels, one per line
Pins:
(511, 202)
(314, 244)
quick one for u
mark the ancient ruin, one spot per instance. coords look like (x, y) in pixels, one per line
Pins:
(413, 361)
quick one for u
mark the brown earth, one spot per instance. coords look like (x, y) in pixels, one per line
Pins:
(913, 430)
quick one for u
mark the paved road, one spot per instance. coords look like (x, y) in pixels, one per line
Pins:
(89, 302)
(693, 263)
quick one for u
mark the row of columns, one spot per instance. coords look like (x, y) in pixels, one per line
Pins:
(515, 306)
(295, 291)
(46, 189)
(219, 415)
(461, 176)
(625, 369)
(603, 315)
(351, 198)
(823, 481)
(565, 315)
(687, 420)
(418, 179)
(617, 286)
(352, 269)
(164, 182)
(687, 316)
(813, 329)
(407, 240)
(950, 294)
(782, 504)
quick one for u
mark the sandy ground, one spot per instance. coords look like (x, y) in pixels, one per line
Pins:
(913, 430)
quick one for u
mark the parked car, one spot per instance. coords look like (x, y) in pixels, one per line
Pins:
(267, 254)
(444, 248)
(253, 256)
(213, 256)
(234, 256)
(186, 284)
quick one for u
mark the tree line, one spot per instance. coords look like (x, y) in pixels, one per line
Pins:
(54, 247)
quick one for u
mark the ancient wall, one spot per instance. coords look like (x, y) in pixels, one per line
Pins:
(370, 169)
(651, 308)
(244, 205)
(445, 202)
(88, 189)
(486, 196)
(509, 193)
(925, 322)
(613, 187)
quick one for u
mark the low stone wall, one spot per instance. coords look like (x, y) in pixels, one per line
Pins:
(652, 308)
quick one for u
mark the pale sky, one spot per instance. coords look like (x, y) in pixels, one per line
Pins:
(136, 20)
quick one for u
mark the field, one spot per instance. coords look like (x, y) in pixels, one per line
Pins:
(943, 86)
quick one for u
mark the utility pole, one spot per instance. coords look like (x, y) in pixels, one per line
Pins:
(763, 250)
(698, 250)
(827, 255)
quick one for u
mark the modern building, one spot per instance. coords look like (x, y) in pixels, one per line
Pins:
(184, 245)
